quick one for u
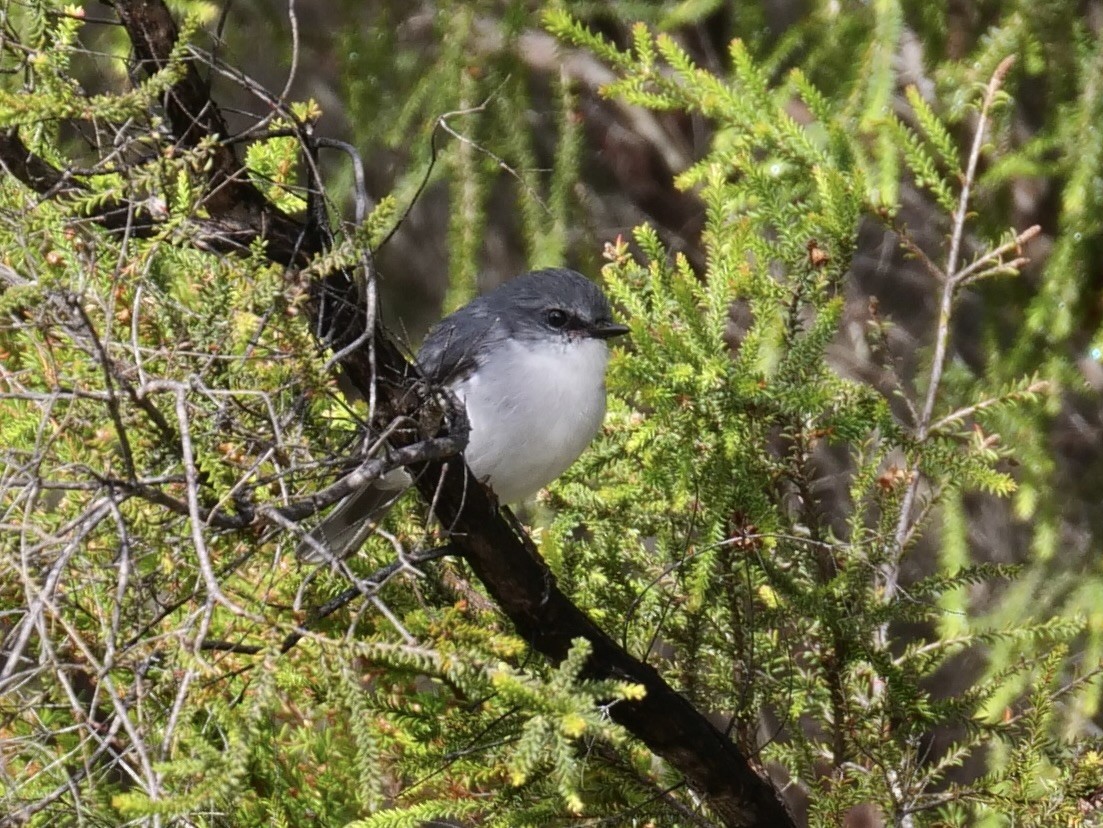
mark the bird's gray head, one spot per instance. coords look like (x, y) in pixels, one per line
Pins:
(552, 303)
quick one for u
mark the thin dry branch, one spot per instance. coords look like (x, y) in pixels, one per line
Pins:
(953, 279)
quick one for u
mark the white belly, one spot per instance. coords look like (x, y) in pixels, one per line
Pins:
(533, 411)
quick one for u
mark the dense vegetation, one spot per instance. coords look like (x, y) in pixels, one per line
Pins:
(837, 532)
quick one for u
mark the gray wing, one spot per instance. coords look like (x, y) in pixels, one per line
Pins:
(345, 529)
(453, 346)
(450, 351)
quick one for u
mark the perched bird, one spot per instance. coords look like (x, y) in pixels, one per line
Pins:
(527, 361)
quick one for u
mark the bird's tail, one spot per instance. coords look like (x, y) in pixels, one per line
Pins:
(346, 528)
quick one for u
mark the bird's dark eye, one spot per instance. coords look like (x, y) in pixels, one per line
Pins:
(557, 318)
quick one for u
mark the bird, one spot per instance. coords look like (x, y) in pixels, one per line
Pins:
(527, 361)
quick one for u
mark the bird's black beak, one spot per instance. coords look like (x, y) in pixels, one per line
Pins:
(607, 330)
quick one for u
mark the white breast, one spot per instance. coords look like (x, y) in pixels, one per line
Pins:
(533, 410)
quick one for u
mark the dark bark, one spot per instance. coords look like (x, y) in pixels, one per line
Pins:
(506, 561)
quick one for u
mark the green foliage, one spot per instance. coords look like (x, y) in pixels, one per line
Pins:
(748, 522)
(710, 458)
(464, 97)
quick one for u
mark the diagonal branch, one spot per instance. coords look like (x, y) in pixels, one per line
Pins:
(954, 278)
(506, 561)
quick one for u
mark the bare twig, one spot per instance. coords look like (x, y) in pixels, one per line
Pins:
(994, 258)
(968, 411)
(950, 284)
(191, 475)
(442, 123)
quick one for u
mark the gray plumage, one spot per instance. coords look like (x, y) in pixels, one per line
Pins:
(515, 309)
(527, 361)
